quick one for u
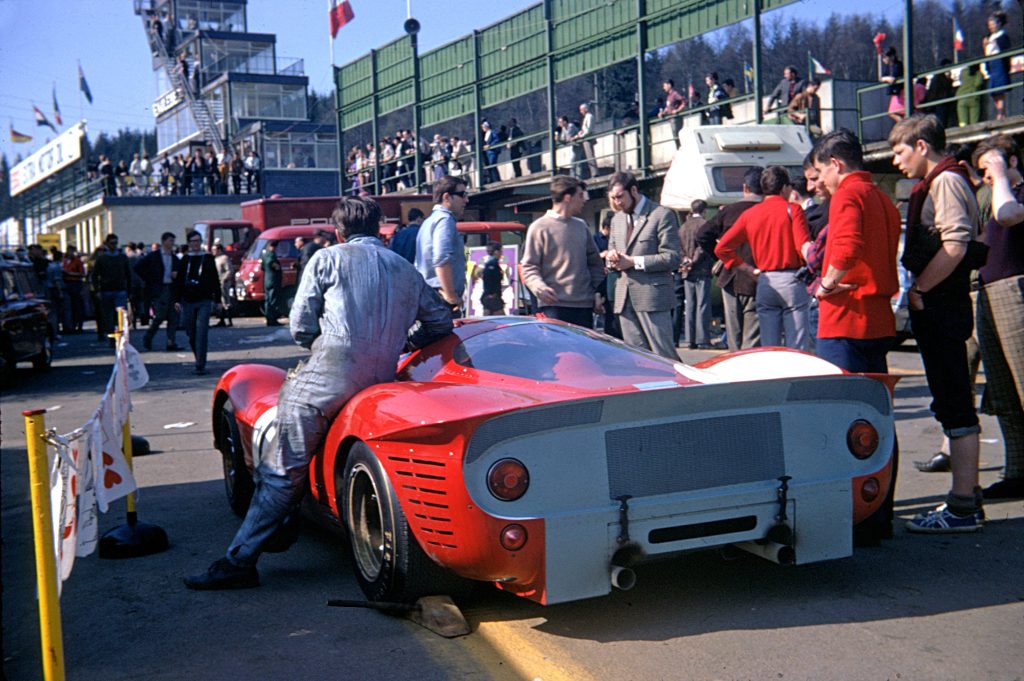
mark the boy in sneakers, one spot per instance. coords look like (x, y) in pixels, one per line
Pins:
(942, 219)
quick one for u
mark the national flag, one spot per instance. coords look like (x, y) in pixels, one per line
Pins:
(339, 13)
(18, 137)
(84, 86)
(748, 76)
(56, 107)
(819, 68)
(41, 118)
(958, 36)
(878, 40)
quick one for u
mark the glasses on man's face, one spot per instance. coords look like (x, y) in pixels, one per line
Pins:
(195, 241)
(461, 194)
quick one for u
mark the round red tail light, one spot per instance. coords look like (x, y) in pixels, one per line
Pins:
(508, 479)
(862, 439)
(869, 489)
(513, 537)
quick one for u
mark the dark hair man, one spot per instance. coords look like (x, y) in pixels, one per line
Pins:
(111, 277)
(272, 275)
(786, 90)
(196, 290)
(942, 204)
(1001, 306)
(739, 286)
(561, 264)
(675, 102)
(440, 256)
(354, 309)
(403, 242)
(159, 271)
(776, 231)
(644, 248)
(693, 316)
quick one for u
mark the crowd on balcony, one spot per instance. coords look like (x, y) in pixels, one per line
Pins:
(203, 172)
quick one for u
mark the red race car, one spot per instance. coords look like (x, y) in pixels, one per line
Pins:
(547, 459)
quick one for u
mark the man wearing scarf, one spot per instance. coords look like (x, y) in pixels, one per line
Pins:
(942, 219)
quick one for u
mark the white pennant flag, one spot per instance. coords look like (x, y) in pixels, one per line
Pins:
(113, 477)
(63, 509)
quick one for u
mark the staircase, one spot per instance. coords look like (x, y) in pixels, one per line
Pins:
(196, 104)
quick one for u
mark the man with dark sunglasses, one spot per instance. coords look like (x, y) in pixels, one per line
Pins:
(440, 253)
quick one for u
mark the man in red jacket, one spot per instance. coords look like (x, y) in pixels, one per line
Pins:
(856, 326)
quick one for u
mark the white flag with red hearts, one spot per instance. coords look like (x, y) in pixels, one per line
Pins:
(73, 501)
(113, 477)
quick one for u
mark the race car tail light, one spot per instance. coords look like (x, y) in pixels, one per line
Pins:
(513, 537)
(862, 439)
(869, 490)
(508, 479)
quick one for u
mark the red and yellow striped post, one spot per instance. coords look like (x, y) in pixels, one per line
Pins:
(42, 526)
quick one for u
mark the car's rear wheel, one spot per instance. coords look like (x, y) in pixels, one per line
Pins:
(389, 563)
(44, 359)
(238, 482)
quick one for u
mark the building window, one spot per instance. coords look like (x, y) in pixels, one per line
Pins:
(268, 101)
(300, 150)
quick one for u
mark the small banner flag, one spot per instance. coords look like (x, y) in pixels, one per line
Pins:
(41, 118)
(18, 137)
(819, 68)
(878, 40)
(83, 85)
(958, 36)
(748, 76)
(56, 107)
(340, 13)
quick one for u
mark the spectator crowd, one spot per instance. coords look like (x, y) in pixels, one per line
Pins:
(201, 173)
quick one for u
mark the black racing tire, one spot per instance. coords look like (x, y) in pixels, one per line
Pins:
(387, 560)
(238, 483)
(43, 360)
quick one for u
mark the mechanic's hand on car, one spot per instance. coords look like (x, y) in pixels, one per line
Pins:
(547, 296)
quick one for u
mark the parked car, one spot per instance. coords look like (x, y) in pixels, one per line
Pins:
(249, 290)
(25, 331)
(547, 458)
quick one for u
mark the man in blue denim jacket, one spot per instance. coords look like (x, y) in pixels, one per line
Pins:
(353, 309)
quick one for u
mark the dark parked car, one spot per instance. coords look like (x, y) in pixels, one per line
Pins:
(25, 332)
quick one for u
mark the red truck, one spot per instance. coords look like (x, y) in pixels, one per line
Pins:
(237, 236)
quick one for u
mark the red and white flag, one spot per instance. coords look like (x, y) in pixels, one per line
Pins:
(819, 68)
(958, 36)
(339, 13)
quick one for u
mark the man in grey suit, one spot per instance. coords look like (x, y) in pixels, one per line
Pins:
(643, 247)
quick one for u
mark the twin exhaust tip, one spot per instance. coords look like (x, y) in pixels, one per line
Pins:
(623, 578)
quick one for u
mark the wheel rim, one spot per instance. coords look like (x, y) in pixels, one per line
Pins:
(227, 454)
(365, 527)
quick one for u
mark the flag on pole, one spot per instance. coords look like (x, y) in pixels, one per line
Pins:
(56, 107)
(691, 93)
(958, 36)
(340, 13)
(41, 118)
(818, 67)
(18, 137)
(84, 86)
(878, 40)
(748, 76)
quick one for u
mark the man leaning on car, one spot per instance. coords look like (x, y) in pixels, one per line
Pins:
(354, 307)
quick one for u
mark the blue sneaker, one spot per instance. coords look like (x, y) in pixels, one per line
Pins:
(943, 521)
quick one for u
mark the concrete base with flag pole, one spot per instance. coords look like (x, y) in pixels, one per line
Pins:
(134, 538)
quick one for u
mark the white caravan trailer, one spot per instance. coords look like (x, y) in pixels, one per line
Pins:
(712, 159)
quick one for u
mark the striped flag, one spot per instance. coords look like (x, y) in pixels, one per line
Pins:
(958, 36)
(748, 76)
(41, 118)
(819, 68)
(18, 137)
(56, 107)
(339, 13)
(84, 86)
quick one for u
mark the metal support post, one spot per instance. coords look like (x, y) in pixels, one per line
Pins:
(641, 80)
(758, 114)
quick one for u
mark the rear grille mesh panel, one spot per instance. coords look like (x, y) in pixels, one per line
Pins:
(694, 454)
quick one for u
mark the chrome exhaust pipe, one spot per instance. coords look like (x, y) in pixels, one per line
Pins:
(623, 578)
(775, 552)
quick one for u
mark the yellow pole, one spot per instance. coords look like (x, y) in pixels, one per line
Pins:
(42, 526)
(126, 430)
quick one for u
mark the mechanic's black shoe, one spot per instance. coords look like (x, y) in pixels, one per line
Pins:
(172, 347)
(224, 574)
(1005, 489)
(937, 464)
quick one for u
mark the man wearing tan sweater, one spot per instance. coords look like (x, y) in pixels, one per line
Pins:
(561, 264)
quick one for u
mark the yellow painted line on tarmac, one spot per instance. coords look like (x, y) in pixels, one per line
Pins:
(508, 652)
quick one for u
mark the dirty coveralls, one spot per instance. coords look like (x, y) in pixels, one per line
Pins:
(354, 308)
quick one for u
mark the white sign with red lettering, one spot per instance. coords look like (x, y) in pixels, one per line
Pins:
(56, 155)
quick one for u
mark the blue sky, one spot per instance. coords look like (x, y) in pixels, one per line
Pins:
(41, 42)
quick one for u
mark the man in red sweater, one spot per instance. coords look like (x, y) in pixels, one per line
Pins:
(856, 326)
(777, 233)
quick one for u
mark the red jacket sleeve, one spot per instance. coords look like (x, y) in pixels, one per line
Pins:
(845, 243)
(801, 233)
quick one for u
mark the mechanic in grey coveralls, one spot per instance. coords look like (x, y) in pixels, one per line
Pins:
(354, 309)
